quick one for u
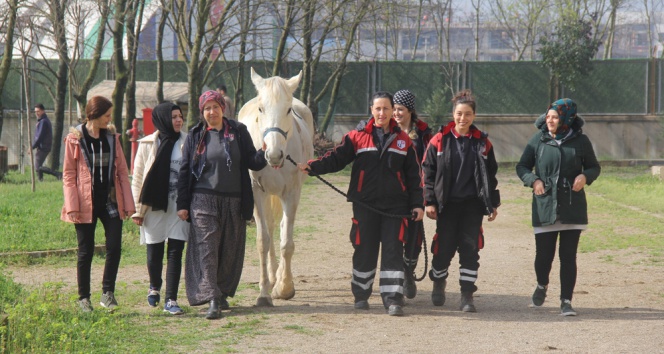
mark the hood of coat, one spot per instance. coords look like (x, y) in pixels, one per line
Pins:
(540, 123)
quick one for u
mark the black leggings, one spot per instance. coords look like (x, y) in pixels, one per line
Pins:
(173, 266)
(546, 251)
(85, 233)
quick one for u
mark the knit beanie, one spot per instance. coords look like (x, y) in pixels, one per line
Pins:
(405, 98)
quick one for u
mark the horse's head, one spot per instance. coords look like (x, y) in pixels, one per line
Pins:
(275, 114)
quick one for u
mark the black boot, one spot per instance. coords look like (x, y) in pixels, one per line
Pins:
(224, 303)
(467, 304)
(214, 312)
(409, 286)
(438, 293)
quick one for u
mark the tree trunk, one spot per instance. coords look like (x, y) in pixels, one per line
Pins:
(82, 95)
(419, 30)
(121, 74)
(133, 23)
(245, 19)
(285, 31)
(24, 62)
(160, 55)
(6, 63)
(59, 29)
(341, 69)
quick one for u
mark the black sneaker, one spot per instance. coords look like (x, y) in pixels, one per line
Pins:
(566, 308)
(108, 301)
(467, 304)
(438, 293)
(539, 295)
(395, 310)
(362, 305)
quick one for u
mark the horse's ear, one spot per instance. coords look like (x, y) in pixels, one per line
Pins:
(257, 79)
(294, 81)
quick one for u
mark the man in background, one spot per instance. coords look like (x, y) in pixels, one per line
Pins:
(229, 111)
(42, 142)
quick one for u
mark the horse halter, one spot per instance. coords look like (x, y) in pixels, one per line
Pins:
(276, 130)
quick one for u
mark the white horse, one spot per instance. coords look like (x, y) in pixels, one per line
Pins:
(285, 125)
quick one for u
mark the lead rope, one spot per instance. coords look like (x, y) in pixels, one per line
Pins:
(380, 212)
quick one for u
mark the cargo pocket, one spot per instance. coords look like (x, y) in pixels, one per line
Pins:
(355, 233)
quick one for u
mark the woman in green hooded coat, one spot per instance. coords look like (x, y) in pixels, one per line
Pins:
(558, 162)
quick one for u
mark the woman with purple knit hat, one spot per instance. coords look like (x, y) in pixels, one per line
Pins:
(214, 194)
(558, 162)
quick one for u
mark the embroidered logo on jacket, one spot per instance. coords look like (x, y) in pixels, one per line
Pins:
(401, 144)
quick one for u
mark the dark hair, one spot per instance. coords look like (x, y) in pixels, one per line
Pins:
(222, 88)
(40, 106)
(464, 97)
(96, 107)
(382, 94)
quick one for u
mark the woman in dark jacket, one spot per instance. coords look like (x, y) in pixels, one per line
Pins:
(214, 193)
(564, 163)
(419, 133)
(459, 190)
(386, 176)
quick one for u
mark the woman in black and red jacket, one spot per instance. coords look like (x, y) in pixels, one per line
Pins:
(386, 176)
(460, 182)
(420, 134)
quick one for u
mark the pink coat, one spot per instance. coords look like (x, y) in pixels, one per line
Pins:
(77, 180)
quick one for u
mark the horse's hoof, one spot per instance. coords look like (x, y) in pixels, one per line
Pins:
(264, 302)
(284, 296)
(290, 296)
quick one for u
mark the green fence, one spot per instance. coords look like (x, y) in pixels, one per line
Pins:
(613, 87)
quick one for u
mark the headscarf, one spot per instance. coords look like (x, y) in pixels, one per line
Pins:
(566, 109)
(208, 96)
(405, 98)
(156, 183)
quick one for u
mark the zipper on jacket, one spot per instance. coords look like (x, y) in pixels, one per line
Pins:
(403, 187)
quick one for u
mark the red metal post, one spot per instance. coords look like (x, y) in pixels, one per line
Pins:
(134, 134)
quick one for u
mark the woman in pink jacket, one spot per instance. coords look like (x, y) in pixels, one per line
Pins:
(96, 186)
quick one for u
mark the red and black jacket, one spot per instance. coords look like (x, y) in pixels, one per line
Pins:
(384, 179)
(436, 168)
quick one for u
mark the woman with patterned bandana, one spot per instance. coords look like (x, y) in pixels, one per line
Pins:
(215, 195)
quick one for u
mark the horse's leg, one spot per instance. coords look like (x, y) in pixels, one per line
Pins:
(284, 288)
(263, 241)
(274, 214)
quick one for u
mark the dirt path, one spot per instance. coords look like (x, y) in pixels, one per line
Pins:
(620, 302)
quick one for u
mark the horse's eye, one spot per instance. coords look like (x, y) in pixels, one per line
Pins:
(289, 110)
(260, 109)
